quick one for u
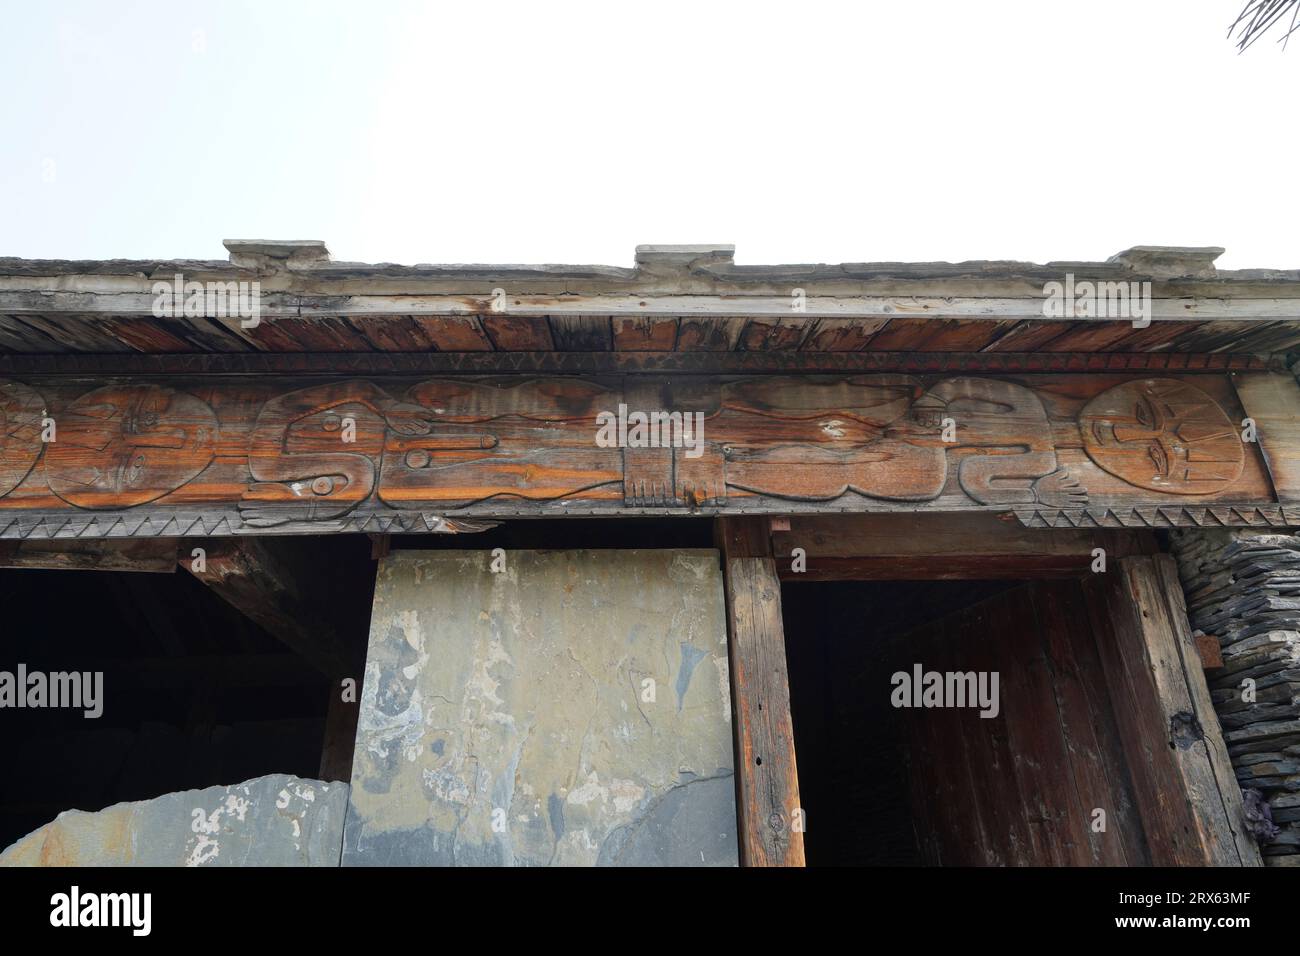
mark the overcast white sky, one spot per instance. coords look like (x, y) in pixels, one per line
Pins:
(570, 132)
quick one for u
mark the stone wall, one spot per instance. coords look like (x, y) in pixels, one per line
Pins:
(276, 820)
(571, 710)
(1243, 588)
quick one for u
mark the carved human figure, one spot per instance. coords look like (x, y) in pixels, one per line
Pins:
(1163, 435)
(1015, 461)
(314, 452)
(20, 433)
(124, 445)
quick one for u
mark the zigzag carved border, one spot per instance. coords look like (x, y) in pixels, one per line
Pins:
(1171, 516)
(479, 363)
(20, 525)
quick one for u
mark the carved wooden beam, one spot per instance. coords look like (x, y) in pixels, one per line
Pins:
(217, 456)
(278, 591)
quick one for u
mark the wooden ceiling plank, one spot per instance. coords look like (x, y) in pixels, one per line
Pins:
(709, 333)
(638, 333)
(1029, 335)
(518, 333)
(75, 332)
(1156, 337)
(144, 334)
(1209, 337)
(899, 335)
(581, 333)
(454, 333)
(398, 333)
(18, 337)
(1090, 335)
(763, 334)
(841, 335)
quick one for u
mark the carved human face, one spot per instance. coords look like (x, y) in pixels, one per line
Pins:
(121, 446)
(1163, 435)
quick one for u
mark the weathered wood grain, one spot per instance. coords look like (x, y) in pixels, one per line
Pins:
(544, 360)
(1019, 788)
(339, 743)
(766, 773)
(1186, 793)
(644, 333)
(292, 453)
(1272, 400)
(156, 555)
(923, 547)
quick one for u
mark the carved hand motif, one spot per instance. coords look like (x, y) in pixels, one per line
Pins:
(1060, 489)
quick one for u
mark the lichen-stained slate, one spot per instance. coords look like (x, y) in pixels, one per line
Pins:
(276, 820)
(570, 709)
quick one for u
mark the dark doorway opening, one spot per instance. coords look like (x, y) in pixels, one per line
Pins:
(193, 692)
(840, 640)
(883, 784)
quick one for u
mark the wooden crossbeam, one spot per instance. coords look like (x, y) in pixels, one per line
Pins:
(276, 590)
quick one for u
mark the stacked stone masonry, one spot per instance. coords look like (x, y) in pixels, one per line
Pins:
(1243, 588)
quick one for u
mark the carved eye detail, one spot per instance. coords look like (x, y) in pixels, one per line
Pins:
(1144, 414)
(332, 423)
(1158, 458)
(135, 470)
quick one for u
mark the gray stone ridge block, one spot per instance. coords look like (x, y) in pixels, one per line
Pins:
(277, 820)
(573, 709)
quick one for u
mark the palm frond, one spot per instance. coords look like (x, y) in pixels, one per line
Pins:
(1259, 16)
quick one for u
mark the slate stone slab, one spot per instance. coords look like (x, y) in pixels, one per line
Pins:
(277, 820)
(1240, 588)
(571, 710)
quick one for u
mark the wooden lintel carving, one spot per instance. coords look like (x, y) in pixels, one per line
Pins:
(216, 455)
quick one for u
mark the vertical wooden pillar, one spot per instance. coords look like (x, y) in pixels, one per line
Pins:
(767, 781)
(340, 739)
(1186, 791)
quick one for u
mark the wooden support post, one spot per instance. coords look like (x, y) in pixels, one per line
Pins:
(263, 581)
(1187, 795)
(770, 816)
(340, 732)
